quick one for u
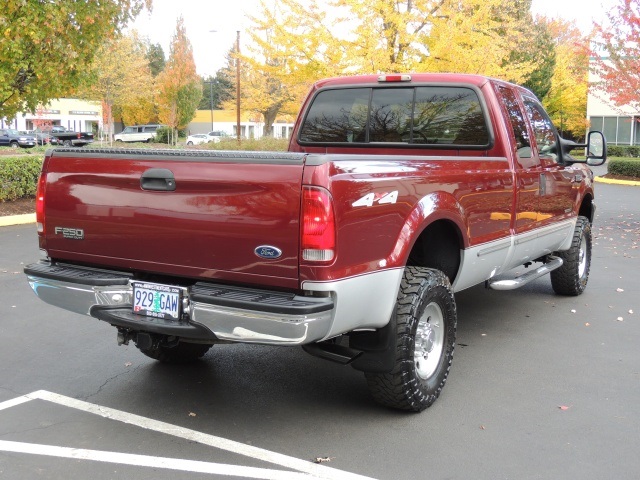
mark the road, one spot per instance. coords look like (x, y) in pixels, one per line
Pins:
(542, 387)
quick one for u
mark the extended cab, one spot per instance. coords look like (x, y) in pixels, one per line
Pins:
(397, 192)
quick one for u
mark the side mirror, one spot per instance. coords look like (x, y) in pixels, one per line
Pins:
(596, 149)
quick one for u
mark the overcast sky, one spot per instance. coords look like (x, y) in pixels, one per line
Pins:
(225, 18)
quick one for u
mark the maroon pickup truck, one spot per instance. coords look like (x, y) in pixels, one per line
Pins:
(397, 191)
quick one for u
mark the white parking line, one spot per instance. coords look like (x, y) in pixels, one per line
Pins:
(311, 470)
(154, 462)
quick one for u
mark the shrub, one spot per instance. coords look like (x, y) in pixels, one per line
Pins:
(628, 167)
(623, 150)
(268, 144)
(162, 135)
(19, 177)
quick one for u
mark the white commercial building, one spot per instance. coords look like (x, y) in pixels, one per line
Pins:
(620, 125)
(74, 114)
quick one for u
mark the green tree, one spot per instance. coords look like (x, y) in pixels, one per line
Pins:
(479, 36)
(542, 52)
(46, 45)
(155, 57)
(180, 87)
(219, 88)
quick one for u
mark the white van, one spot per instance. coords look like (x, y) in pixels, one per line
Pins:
(137, 133)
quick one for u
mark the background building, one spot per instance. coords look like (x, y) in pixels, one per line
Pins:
(251, 125)
(74, 114)
(620, 125)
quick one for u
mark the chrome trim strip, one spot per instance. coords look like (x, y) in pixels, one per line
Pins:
(495, 248)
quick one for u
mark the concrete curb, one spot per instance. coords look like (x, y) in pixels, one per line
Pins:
(613, 181)
(17, 219)
(31, 217)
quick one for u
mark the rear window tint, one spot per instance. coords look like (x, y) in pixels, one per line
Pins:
(430, 115)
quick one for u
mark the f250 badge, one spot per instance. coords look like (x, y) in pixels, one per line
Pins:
(70, 233)
(380, 198)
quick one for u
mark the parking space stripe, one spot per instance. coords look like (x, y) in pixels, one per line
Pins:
(315, 470)
(15, 401)
(155, 462)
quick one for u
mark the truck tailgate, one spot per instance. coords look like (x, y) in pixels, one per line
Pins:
(209, 223)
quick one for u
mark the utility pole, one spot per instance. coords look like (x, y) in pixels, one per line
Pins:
(238, 84)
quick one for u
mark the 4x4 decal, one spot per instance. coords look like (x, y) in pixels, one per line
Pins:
(380, 198)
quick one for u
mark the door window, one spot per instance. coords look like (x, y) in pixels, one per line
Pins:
(543, 130)
(519, 127)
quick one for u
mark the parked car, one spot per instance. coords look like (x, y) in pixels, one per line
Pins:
(198, 138)
(137, 133)
(14, 139)
(217, 135)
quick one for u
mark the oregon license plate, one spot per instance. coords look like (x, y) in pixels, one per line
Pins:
(155, 300)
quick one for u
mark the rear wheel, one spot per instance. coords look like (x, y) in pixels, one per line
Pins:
(66, 143)
(571, 278)
(425, 318)
(181, 353)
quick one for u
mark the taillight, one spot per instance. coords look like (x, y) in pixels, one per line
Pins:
(318, 225)
(42, 182)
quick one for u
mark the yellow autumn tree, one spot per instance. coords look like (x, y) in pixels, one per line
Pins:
(480, 36)
(566, 101)
(122, 81)
(295, 42)
(179, 86)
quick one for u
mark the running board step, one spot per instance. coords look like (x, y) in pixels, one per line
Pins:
(513, 283)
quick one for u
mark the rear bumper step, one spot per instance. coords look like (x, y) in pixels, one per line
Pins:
(210, 311)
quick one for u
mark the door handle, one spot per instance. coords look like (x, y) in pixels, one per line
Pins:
(158, 179)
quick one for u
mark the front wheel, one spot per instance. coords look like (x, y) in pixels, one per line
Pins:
(14, 144)
(181, 353)
(571, 278)
(425, 319)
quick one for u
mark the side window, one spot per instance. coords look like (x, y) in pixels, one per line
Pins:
(543, 130)
(128, 130)
(449, 116)
(519, 126)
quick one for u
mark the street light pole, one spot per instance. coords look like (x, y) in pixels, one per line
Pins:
(238, 84)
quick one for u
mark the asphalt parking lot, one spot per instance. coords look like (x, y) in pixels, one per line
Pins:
(542, 387)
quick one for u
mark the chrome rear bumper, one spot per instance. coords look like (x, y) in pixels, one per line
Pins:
(210, 311)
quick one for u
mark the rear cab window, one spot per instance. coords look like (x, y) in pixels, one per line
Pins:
(434, 116)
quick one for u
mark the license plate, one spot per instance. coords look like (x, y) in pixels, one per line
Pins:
(155, 300)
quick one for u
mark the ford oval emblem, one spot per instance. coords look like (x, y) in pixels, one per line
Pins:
(268, 252)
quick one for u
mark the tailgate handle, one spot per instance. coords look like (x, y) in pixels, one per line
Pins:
(158, 179)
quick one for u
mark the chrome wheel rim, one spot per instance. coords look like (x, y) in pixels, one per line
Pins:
(429, 341)
(582, 257)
